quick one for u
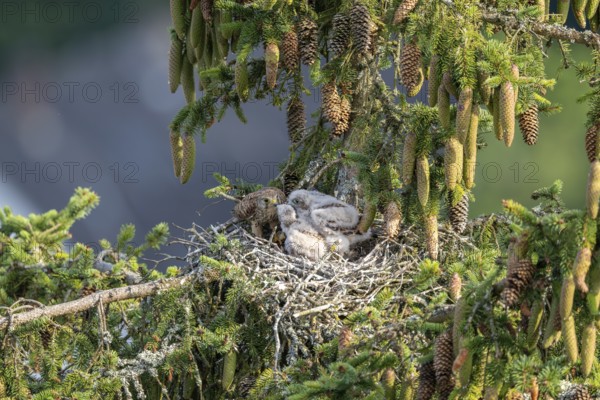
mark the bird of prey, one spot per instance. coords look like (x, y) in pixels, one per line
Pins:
(260, 209)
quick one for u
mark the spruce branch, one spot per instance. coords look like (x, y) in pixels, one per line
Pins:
(91, 301)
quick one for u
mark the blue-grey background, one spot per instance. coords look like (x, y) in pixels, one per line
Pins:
(84, 101)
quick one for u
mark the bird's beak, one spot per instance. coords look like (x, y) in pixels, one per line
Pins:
(274, 201)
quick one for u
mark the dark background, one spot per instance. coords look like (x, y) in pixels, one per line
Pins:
(84, 101)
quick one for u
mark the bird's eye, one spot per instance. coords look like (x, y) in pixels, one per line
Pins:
(265, 200)
(295, 201)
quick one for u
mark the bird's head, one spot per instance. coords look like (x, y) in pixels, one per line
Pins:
(300, 200)
(268, 202)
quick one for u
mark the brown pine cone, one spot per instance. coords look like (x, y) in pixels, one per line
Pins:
(459, 214)
(360, 22)
(289, 49)
(296, 121)
(341, 32)
(427, 383)
(591, 140)
(529, 124)
(443, 359)
(307, 40)
(410, 67)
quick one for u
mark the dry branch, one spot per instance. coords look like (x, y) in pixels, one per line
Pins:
(510, 21)
(91, 301)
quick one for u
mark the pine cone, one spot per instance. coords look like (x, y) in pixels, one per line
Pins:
(588, 349)
(343, 124)
(403, 10)
(206, 6)
(296, 121)
(443, 105)
(331, 103)
(485, 92)
(455, 287)
(581, 266)
(360, 21)
(529, 124)
(340, 37)
(289, 48)
(591, 142)
(290, 183)
(453, 162)
(578, 392)
(176, 151)
(471, 148)
(570, 339)
(431, 236)
(448, 82)
(434, 80)
(443, 357)
(427, 382)
(459, 214)
(518, 278)
(409, 156)
(271, 63)
(344, 339)
(188, 157)
(307, 39)
(463, 114)
(187, 81)
(178, 17)
(175, 62)
(423, 180)
(567, 294)
(410, 68)
(506, 112)
(593, 190)
(392, 218)
(46, 336)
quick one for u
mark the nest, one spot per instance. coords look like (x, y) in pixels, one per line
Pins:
(308, 300)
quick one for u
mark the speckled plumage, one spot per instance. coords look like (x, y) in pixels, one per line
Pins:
(260, 208)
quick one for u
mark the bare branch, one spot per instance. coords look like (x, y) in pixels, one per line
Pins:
(91, 301)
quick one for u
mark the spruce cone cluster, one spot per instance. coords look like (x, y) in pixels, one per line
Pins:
(411, 73)
(289, 49)
(529, 124)
(403, 10)
(296, 121)
(591, 142)
(336, 109)
(443, 358)
(518, 277)
(360, 21)
(459, 214)
(341, 32)
(427, 383)
(307, 39)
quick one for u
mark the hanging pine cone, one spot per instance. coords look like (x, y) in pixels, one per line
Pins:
(434, 81)
(188, 160)
(403, 10)
(431, 236)
(296, 121)
(340, 37)
(459, 214)
(342, 126)
(360, 21)
(593, 190)
(529, 124)
(591, 142)
(175, 62)
(455, 287)
(410, 67)
(271, 64)
(463, 114)
(331, 103)
(206, 6)
(392, 218)
(46, 336)
(307, 39)
(289, 48)
(290, 182)
(506, 112)
(443, 357)
(178, 17)
(518, 277)
(427, 382)
(578, 392)
(176, 152)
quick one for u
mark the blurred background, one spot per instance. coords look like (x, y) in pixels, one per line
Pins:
(85, 102)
